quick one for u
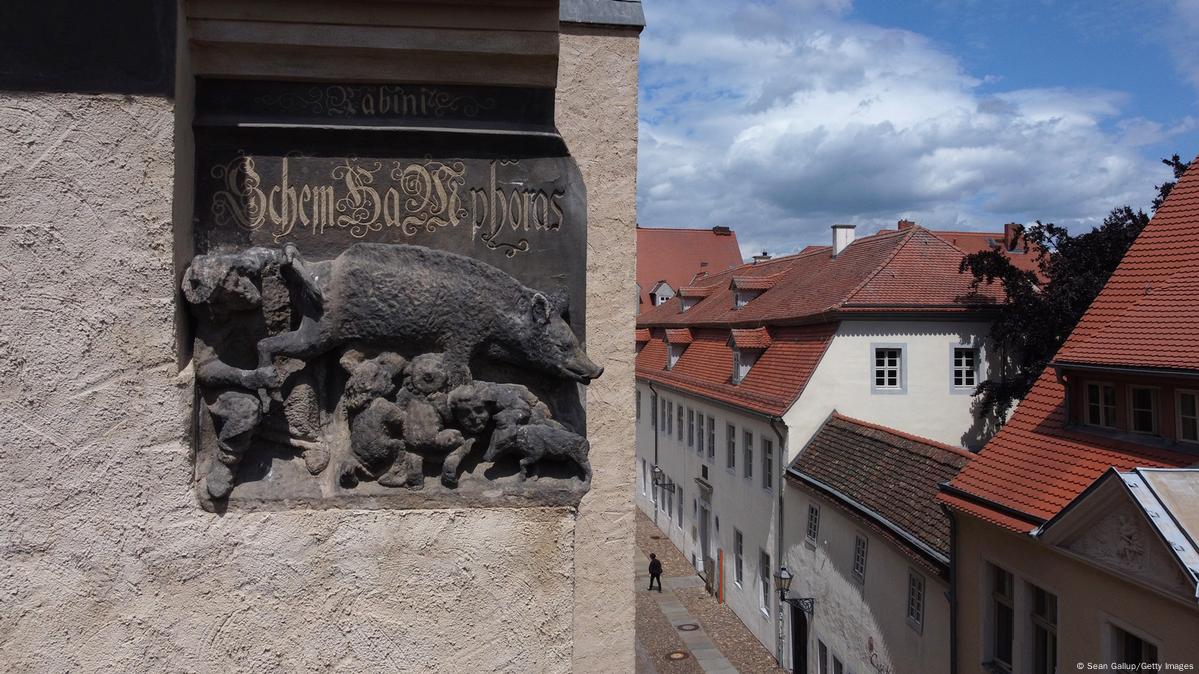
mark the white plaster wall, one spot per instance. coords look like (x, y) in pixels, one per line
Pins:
(737, 502)
(928, 408)
(851, 617)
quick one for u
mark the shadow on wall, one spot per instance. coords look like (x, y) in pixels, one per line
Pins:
(842, 620)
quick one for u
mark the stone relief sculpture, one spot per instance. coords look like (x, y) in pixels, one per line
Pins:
(373, 349)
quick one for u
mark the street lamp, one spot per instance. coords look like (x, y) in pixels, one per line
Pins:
(782, 581)
(666, 484)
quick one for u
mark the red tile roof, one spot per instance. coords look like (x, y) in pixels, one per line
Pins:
(911, 270)
(696, 291)
(891, 474)
(1037, 464)
(642, 335)
(706, 367)
(677, 255)
(679, 336)
(754, 282)
(1148, 312)
(758, 338)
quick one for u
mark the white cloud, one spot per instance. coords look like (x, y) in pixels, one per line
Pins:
(781, 118)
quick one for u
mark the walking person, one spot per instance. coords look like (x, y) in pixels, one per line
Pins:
(655, 572)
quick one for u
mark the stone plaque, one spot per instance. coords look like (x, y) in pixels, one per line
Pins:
(386, 316)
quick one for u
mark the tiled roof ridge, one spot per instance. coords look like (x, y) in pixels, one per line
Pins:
(667, 377)
(684, 229)
(906, 436)
(906, 233)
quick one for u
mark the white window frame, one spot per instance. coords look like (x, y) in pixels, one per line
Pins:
(738, 558)
(686, 303)
(901, 387)
(1156, 409)
(767, 464)
(744, 361)
(861, 550)
(915, 603)
(812, 533)
(975, 372)
(730, 459)
(1178, 394)
(993, 600)
(1112, 643)
(747, 440)
(699, 433)
(1104, 421)
(711, 439)
(1035, 620)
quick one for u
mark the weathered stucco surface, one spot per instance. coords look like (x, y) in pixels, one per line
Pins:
(108, 562)
(597, 114)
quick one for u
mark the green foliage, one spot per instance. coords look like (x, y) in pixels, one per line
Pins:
(1038, 313)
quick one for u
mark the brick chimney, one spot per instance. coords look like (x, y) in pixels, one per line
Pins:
(761, 258)
(1011, 235)
(905, 224)
(842, 237)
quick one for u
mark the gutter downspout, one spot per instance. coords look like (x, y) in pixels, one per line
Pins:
(780, 640)
(953, 589)
(654, 415)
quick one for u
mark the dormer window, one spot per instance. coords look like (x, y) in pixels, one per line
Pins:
(748, 346)
(1100, 403)
(1143, 403)
(691, 295)
(676, 342)
(748, 288)
(643, 336)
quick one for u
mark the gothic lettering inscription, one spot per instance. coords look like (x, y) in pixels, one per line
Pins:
(399, 197)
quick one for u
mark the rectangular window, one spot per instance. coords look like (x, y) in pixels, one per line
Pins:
(712, 439)
(679, 421)
(767, 464)
(669, 503)
(1131, 649)
(965, 367)
(669, 418)
(738, 558)
(1101, 404)
(662, 405)
(813, 523)
(730, 459)
(859, 559)
(690, 428)
(748, 440)
(1003, 616)
(915, 600)
(838, 667)
(638, 403)
(679, 518)
(644, 477)
(699, 434)
(653, 411)
(823, 656)
(1044, 631)
(764, 581)
(888, 369)
(1188, 416)
(1143, 402)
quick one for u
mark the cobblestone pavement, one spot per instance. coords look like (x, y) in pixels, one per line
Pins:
(721, 644)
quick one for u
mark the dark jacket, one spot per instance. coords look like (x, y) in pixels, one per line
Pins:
(655, 567)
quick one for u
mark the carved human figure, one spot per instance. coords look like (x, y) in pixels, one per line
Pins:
(376, 423)
(224, 292)
(520, 425)
(423, 399)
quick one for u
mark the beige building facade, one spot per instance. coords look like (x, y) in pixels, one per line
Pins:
(110, 563)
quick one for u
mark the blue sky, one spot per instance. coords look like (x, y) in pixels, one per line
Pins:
(782, 117)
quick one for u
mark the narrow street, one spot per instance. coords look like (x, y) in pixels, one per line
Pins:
(683, 629)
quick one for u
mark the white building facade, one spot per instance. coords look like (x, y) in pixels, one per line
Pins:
(712, 447)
